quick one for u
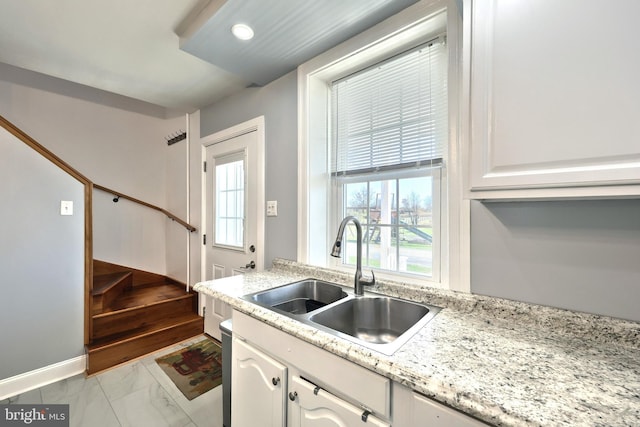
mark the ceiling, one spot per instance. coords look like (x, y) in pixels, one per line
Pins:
(177, 54)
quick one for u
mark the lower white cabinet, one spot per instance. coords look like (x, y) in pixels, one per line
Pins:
(258, 388)
(311, 406)
(280, 380)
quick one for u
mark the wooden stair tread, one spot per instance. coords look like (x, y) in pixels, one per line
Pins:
(147, 295)
(183, 318)
(104, 282)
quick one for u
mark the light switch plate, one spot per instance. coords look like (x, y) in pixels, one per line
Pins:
(272, 208)
(66, 207)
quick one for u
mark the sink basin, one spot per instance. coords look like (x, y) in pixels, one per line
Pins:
(300, 297)
(381, 323)
(377, 322)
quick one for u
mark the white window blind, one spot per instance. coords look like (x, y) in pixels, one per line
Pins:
(393, 114)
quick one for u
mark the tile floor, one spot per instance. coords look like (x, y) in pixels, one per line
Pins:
(137, 394)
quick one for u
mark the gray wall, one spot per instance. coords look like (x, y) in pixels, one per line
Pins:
(277, 102)
(41, 260)
(579, 255)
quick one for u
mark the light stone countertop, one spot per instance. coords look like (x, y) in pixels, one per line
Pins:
(504, 362)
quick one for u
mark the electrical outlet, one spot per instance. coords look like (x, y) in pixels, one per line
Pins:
(272, 208)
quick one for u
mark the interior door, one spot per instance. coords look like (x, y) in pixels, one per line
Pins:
(233, 244)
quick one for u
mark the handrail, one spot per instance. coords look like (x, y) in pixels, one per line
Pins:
(186, 225)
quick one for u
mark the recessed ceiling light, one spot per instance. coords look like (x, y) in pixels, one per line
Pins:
(242, 31)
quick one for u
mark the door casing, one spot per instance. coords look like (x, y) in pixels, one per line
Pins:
(257, 124)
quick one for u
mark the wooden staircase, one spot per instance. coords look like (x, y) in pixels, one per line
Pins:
(135, 313)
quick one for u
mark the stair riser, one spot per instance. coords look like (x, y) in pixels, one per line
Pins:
(118, 321)
(140, 278)
(112, 355)
(104, 300)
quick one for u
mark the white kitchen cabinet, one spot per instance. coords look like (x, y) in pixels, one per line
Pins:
(215, 312)
(311, 406)
(554, 97)
(258, 388)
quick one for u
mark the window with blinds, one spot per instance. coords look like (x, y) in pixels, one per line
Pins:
(393, 114)
(389, 137)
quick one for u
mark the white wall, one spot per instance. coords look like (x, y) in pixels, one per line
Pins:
(41, 253)
(118, 148)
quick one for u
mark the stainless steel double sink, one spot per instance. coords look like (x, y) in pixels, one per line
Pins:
(380, 323)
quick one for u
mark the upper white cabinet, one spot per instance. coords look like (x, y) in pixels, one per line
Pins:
(554, 92)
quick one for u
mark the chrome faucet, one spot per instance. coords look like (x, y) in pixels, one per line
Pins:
(358, 281)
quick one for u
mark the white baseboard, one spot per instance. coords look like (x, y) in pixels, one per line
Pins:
(40, 377)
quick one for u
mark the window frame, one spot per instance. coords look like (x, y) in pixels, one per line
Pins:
(408, 29)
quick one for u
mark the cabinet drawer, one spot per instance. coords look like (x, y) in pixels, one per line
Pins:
(333, 373)
(311, 406)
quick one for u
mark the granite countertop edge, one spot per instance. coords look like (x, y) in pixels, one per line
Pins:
(495, 392)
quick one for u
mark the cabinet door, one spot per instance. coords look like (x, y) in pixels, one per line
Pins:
(323, 409)
(258, 386)
(554, 93)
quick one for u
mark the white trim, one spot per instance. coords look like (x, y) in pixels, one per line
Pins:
(188, 191)
(456, 256)
(303, 167)
(258, 125)
(22, 383)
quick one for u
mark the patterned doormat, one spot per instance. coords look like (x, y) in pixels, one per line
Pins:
(195, 369)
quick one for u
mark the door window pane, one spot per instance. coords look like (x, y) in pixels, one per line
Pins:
(230, 195)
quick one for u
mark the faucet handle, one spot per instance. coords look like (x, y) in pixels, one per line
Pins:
(369, 282)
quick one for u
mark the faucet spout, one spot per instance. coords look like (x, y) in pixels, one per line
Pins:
(358, 281)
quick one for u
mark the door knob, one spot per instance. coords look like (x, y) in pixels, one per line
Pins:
(252, 265)
(275, 381)
(293, 395)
